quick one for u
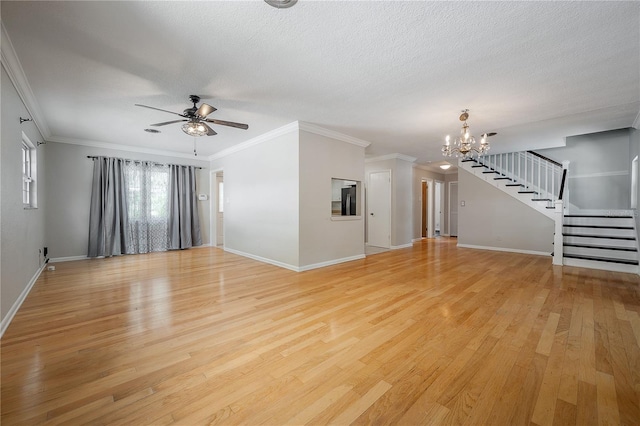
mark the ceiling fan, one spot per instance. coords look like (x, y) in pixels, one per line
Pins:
(195, 119)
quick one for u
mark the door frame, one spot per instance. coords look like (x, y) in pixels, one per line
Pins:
(430, 206)
(368, 222)
(213, 206)
(449, 204)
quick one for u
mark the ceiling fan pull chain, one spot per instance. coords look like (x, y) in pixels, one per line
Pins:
(195, 153)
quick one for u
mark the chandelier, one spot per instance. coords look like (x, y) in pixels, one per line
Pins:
(194, 128)
(464, 145)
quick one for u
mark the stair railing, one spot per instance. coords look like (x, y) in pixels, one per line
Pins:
(530, 169)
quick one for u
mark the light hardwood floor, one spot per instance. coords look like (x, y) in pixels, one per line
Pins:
(427, 335)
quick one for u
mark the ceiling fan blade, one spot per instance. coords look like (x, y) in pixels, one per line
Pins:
(158, 109)
(210, 131)
(228, 123)
(168, 122)
(204, 110)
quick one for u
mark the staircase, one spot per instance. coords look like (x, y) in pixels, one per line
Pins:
(527, 176)
(600, 242)
(594, 241)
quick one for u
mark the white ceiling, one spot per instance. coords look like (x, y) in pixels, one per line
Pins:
(393, 73)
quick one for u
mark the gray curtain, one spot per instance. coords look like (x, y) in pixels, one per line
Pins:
(108, 217)
(184, 223)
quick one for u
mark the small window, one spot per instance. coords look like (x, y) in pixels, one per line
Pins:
(29, 173)
(345, 197)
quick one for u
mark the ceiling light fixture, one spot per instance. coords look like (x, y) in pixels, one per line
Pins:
(194, 128)
(463, 146)
(445, 166)
(281, 4)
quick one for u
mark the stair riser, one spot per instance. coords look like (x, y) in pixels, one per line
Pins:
(606, 266)
(599, 221)
(600, 241)
(612, 254)
(600, 231)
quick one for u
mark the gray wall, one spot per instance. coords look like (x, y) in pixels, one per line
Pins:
(261, 200)
(599, 175)
(23, 231)
(492, 218)
(69, 175)
(321, 238)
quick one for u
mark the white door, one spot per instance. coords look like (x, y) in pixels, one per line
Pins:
(453, 209)
(219, 210)
(379, 209)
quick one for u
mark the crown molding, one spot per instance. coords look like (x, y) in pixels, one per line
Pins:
(395, 156)
(312, 128)
(11, 64)
(128, 148)
(636, 122)
(291, 127)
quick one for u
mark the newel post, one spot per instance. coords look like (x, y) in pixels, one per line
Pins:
(557, 238)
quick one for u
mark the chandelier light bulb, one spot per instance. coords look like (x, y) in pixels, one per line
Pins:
(464, 145)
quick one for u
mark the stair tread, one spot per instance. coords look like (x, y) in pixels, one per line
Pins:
(600, 236)
(597, 226)
(527, 192)
(600, 247)
(514, 184)
(502, 178)
(478, 165)
(541, 199)
(551, 207)
(491, 171)
(598, 216)
(601, 259)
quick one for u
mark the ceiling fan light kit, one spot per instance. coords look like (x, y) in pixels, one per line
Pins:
(281, 4)
(195, 119)
(464, 145)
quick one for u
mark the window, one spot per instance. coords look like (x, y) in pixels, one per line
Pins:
(345, 198)
(29, 174)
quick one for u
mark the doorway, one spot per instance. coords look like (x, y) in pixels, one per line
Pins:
(453, 209)
(424, 209)
(439, 208)
(379, 209)
(219, 208)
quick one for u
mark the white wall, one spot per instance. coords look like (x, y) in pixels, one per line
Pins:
(23, 231)
(494, 219)
(323, 239)
(599, 174)
(261, 200)
(69, 176)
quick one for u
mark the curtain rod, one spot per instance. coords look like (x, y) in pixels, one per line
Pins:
(93, 157)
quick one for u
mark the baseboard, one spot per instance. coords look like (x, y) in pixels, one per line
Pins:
(415, 240)
(402, 246)
(330, 262)
(292, 267)
(14, 309)
(67, 259)
(509, 250)
(263, 259)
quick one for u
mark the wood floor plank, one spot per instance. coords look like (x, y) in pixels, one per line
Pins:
(432, 334)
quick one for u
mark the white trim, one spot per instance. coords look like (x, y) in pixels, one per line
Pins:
(263, 259)
(291, 127)
(636, 122)
(330, 262)
(68, 259)
(292, 267)
(601, 174)
(128, 148)
(415, 240)
(395, 156)
(12, 65)
(312, 128)
(343, 218)
(510, 250)
(14, 309)
(603, 266)
(402, 246)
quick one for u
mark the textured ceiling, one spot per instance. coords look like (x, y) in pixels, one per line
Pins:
(393, 73)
